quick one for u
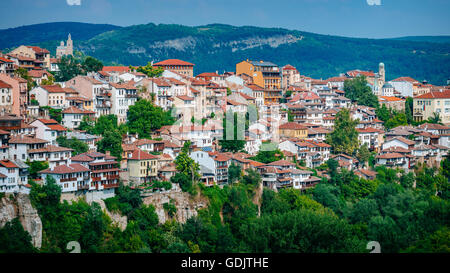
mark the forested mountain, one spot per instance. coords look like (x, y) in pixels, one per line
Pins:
(218, 47)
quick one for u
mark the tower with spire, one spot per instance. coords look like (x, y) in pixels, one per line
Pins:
(67, 49)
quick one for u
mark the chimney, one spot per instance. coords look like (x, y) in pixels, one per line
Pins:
(108, 153)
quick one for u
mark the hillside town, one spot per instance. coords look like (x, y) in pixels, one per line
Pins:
(284, 122)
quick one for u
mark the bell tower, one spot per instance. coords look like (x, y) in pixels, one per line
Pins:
(69, 50)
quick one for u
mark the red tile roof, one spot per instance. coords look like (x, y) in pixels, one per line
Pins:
(173, 62)
(390, 155)
(39, 50)
(22, 139)
(75, 110)
(141, 155)
(4, 85)
(65, 169)
(292, 126)
(53, 88)
(115, 69)
(8, 164)
(445, 94)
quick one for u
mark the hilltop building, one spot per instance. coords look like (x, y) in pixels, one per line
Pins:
(67, 49)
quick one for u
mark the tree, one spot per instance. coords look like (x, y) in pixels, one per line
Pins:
(234, 173)
(251, 177)
(358, 91)
(91, 64)
(149, 70)
(78, 146)
(344, 138)
(111, 141)
(363, 154)
(237, 142)
(185, 164)
(87, 124)
(49, 81)
(266, 157)
(409, 106)
(14, 239)
(23, 73)
(144, 117)
(183, 180)
(69, 67)
(436, 118)
(35, 167)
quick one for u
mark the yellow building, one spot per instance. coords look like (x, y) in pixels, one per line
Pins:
(293, 129)
(426, 105)
(265, 74)
(142, 166)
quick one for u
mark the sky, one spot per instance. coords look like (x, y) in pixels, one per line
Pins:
(351, 18)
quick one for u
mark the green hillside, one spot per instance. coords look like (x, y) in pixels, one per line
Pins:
(218, 47)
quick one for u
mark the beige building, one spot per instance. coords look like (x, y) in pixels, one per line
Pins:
(178, 66)
(433, 102)
(293, 129)
(34, 52)
(67, 49)
(142, 166)
(392, 102)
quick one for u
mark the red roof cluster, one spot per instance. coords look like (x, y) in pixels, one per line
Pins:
(173, 62)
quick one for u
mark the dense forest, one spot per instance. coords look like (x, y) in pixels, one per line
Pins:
(404, 212)
(219, 47)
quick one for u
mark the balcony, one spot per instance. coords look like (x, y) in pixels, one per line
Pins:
(96, 179)
(112, 177)
(68, 179)
(83, 187)
(110, 186)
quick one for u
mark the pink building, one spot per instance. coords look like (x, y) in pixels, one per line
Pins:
(19, 94)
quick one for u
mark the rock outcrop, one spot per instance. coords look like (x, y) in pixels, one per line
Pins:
(186, 205)
(20, 206)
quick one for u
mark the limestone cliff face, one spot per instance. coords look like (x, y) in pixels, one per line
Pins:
(20, 206)
(186, 205)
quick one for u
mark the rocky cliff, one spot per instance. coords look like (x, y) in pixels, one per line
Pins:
(20, 206)
(186, 205)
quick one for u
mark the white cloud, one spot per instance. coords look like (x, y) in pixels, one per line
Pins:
(374, 2)
(74, 2)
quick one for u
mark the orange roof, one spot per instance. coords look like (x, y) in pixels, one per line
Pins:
(53, 88)
(435, 95)
(141, 155)
(4, 85)
(404, 79)
(48, 121)
(173, 62)
(292, 126)
(8, 164)
(56, 127)
(75, 110)
(38, 49)
(116, 69)
(391, 98)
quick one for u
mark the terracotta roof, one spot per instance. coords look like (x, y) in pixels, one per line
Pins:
(75, 110)
(292, 126)
(390, 155)
(208, 74)
(56, 127)
(367, 172)
(173, 62)
(368, 130)
(38, 49)
(445, 94)
(288, 67)
(22, 139)
(4, 85)
(255, 87)
(184, 97)
(8, 164)
(141, 155)
(281, 163)
(50, 148)
(53, 88)
(404, 79)
(65, 169)
(391, 99)
(82, 158)
(115, 69)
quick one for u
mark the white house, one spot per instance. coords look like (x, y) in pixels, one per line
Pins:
(48, 129)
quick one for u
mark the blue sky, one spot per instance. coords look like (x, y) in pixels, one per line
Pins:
(352, 18)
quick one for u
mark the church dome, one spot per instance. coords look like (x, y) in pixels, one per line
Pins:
(387, 85)
(381, 64)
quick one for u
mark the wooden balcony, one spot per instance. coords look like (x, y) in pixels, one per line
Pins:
(68, 179)
(110, 186)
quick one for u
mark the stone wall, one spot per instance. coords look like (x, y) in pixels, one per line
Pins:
(186, 205)
(20, 206)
